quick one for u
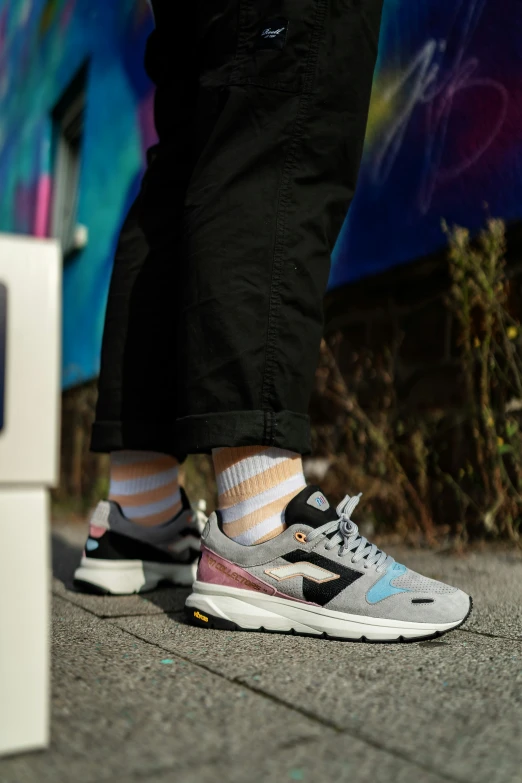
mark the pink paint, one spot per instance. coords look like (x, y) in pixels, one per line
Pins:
(43, 206)
(216, 570)
(146, 122)
(3, 28)
(67, 15)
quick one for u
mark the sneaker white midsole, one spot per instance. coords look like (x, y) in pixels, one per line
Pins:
(251, 610)
(123, 577)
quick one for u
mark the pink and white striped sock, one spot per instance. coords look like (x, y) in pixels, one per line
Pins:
(145, 485)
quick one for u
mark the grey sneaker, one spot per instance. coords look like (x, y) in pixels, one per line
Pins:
(319, 577)
(121, 557)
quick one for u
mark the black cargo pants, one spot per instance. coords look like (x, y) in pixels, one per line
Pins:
(214, 316)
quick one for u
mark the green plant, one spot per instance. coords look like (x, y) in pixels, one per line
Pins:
(365, 448)
(491, 352)
(440, 474)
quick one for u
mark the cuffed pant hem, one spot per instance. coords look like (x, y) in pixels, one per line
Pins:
(110, 436)
(202, 433)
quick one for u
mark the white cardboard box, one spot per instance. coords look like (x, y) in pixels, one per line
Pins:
(30, 311)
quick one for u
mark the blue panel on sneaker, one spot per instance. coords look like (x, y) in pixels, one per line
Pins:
(384, 587)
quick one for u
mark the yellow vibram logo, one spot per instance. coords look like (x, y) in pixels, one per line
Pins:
(201, 617)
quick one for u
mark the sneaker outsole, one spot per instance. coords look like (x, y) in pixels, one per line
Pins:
(105, 577)
(220, 624)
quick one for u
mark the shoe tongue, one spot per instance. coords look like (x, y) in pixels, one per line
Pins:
(309, 507)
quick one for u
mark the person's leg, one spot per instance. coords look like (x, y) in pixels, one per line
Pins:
(284, 94)
(147, 531)
(136, 387)
(255, 484)
(272, 144)
(145, 486)
(263, 214)
(283, 101)
(137, 382)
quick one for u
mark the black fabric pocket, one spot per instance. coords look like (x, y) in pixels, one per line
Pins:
(277, 42)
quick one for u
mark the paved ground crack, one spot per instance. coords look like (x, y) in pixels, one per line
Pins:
(300, 711)
(324, 723)
(491, 635)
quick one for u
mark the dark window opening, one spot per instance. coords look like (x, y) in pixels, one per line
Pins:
(68, 121)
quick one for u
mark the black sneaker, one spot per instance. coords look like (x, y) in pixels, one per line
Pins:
(117, 561)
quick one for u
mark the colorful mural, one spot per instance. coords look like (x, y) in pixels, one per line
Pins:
(443, 140)
(43, 44)
(445, 132)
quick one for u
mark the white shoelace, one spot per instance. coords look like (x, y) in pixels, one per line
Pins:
(347, 536)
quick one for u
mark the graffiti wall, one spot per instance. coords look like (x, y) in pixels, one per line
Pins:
(43, 44)
(445, 132)
(444, 138)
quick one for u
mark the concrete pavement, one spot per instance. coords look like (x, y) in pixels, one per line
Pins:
(138, 695)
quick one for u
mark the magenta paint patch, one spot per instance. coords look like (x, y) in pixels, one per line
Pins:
(67, 15)
(146, 121)
(43, 205)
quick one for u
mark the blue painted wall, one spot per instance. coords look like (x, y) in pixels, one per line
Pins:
(443, 138)
(43, 43)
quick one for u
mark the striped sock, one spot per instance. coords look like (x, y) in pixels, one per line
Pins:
(255, 484)
(145, 485)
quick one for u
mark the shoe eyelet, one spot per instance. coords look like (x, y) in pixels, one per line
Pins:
(301, 537)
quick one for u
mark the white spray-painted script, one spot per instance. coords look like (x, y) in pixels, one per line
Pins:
(435, 81)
